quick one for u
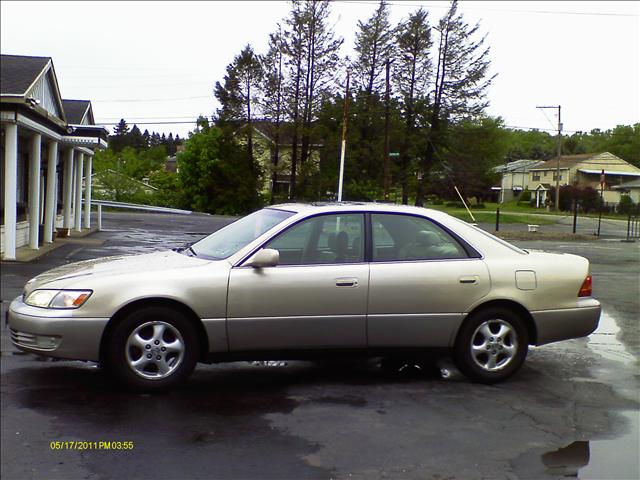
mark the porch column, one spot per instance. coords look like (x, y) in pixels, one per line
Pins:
(50, 205)
(34, 190)
(87, 192)
(78, 203)
(67, 188)
(10, 186)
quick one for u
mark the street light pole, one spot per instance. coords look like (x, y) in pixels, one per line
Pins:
(556, 205)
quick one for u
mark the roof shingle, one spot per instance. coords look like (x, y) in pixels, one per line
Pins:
(75, 110)
(18, 72)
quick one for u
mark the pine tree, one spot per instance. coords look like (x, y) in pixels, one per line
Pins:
(271, 99)
(412, 70)
(238, 95)
(321, 51)
(294, 49)
(146, 138)
(460, 84)
(373, 48)
(118, 140)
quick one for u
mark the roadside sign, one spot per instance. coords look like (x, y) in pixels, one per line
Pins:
(394, 154)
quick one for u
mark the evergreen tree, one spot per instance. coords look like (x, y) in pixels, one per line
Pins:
(373, 48)
(460, 84)
(134, 138)
(146, 138)
(321, 52)
(294, 49)
(271, 99)
(118, 140)
(238, 96)
(411, 72)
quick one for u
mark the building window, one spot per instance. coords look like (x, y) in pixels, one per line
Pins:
(536, 176)
(555, 176)
(546, 173)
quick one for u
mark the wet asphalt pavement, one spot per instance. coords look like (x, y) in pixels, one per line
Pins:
(571, 411)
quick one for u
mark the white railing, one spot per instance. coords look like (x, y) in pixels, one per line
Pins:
(134, 206)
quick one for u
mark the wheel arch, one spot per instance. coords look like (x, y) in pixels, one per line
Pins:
(124, 311)
(516, 308)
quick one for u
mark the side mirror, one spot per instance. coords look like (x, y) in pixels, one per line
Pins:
(267, 257)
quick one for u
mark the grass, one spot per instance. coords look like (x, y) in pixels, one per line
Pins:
(488, 214)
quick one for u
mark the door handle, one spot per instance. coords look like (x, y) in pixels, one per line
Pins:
(346, 282)
(470, 279)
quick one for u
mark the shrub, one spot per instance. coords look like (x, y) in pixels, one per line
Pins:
(626, 205)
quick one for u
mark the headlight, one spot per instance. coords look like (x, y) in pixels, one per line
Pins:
(57, 298)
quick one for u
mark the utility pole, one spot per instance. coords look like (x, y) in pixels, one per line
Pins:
(345, 118)
(556, 205)
(387, 169)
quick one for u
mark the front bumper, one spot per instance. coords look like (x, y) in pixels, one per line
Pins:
(556, 325)
(55, 333)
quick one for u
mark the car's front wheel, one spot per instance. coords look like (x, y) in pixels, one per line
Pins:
(153, 348)
(491, 346)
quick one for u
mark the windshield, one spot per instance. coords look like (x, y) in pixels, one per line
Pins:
(228, 240)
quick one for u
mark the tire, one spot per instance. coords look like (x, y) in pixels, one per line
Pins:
(491, 346)
(154, 348)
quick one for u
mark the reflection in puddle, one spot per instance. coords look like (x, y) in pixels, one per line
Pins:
(610, 459)
(604, 341)
(568, 460)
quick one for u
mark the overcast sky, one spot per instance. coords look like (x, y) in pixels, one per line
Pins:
(159, 61)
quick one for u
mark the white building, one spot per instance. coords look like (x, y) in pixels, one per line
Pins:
(46, 147)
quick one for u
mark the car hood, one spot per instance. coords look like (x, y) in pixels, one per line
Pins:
(113, 266)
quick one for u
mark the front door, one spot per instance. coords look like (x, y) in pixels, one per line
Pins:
(315, 298)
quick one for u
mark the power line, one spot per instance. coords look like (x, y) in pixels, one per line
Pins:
(150, 123)
(551, 12)
(134, 100)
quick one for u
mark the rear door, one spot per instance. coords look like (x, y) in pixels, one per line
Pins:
(422, 280)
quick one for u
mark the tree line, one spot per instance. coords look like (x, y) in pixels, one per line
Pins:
(416, 118)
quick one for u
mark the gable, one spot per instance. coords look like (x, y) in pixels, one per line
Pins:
(45, 91)
(78, 112)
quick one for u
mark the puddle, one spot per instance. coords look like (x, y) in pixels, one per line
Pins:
(611, 459)
(604, 341)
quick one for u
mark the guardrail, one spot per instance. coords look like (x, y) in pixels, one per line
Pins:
(134, 206)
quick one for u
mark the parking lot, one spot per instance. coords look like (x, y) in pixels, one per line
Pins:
(573, 409)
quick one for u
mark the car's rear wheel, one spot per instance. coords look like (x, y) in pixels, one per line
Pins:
(491, 346)
(153, 348)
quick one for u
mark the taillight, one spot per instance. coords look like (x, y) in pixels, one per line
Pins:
(585, 289)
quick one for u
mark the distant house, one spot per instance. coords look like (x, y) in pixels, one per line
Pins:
(631, 188)
(47, 144)
(515, 178)
(583, 170)
(264, 143)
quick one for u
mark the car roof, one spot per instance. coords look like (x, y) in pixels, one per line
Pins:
(325, 207)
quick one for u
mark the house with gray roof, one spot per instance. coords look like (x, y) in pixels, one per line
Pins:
(46, 147)
(515, 178)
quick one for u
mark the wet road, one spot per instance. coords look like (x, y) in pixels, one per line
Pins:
(572, 409)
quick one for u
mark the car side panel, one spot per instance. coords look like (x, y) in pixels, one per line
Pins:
(422, 303)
